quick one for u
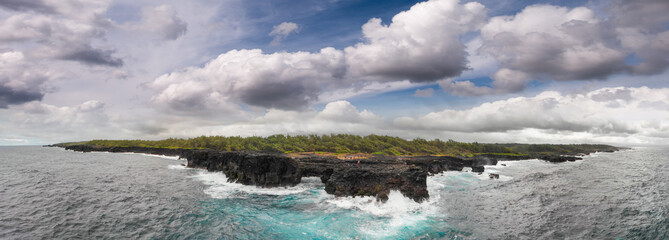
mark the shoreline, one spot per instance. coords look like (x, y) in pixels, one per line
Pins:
(375, 175)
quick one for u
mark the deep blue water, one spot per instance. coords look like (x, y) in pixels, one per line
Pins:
(48, 193)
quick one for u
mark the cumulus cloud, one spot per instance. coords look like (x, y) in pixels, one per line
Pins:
(280, 80)
(604, 111)
(611, 115)
(20, 80)
(642, 28)
(464, 88)
(90, 8)
(336, 117)
(27, 5)
(160, 20)
(426, 93)
(67, 118)
(505, 81)
(282, 31)
(552, 42)
(61, 36)
(546, 42)
(420, 44)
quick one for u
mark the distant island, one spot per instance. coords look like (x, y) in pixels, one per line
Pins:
(348, 165)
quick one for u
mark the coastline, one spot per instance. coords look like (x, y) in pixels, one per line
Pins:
(374, 176)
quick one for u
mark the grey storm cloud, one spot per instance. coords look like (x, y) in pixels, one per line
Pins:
(27, 5)
(546, 42)
(21, 80)
(161, 21)
(91, 56)
(612, 95)
(281, 95)
(13, 96)
(67, 35)
(564, 44)
(642, 28)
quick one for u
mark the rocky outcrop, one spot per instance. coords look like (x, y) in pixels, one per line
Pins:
(368, 177)
(374, 176)
(438, 164)
(559, 158)
(248, 168)
(147, 150)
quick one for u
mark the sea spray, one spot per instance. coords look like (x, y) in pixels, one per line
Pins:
(220, 187)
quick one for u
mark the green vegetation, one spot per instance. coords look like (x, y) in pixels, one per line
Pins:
(347, 143)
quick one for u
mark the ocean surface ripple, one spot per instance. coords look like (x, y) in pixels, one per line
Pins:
(50, 193)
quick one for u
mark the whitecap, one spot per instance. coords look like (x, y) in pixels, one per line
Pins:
(219, 187)
(177, 167)
(160, 156)
(393, 216)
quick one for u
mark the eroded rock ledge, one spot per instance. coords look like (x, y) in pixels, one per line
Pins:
(375, 176)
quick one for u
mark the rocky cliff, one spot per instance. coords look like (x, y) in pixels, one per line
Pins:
(375, 176)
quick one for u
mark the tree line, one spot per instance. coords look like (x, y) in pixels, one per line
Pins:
(348, 143)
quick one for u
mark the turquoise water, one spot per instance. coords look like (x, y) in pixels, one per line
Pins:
(50, 193)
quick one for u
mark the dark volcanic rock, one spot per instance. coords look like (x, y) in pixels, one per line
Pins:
(374, 176)
(147, 150)
(559, 158)
(478, 169)
(378, 181)
(437, 164)
(249, 168)
(368, 177)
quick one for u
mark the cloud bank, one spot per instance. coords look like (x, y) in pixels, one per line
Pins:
(179, 69)
(609, 115)
(420, 45)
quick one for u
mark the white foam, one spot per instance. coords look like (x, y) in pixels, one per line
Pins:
(396, 204)
(160, 156)
(400, 212)
(219, 187)
(177, 167)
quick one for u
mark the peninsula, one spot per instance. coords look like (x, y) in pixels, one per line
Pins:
(348, 165)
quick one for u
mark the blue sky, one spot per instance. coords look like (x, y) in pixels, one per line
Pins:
(486, 71)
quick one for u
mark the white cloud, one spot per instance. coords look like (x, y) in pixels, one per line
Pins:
(545, 42)
(464, 88)
(65, 123)
(641, 27)
(336, 117)
(609, 115)
(551, 41)
(278, 80)
(21, 80)
(420, 44)
(614, 111)
(426, 93)
(63, 30)
(160, 20)
(282, 31)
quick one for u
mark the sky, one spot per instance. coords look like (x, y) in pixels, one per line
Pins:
(486, 71)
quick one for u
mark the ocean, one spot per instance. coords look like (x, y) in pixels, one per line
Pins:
(50, 193)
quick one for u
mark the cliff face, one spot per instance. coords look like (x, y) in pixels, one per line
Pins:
(375, 176)
(260, 169)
